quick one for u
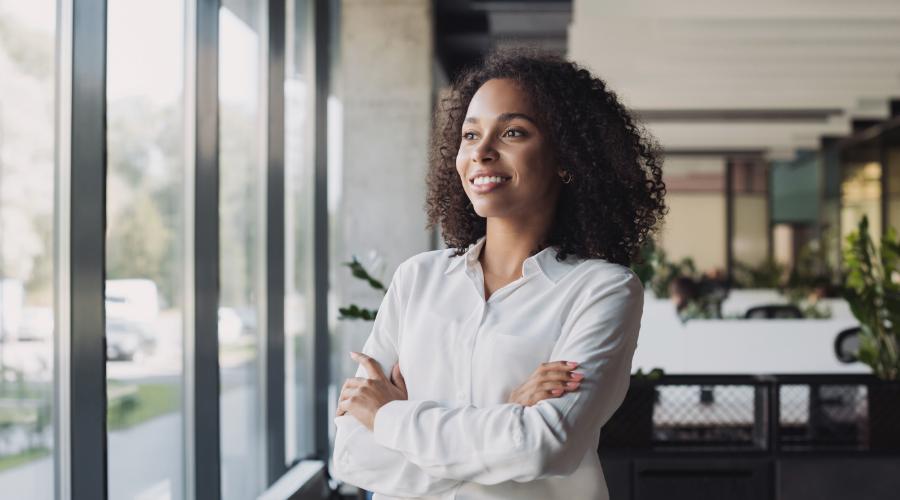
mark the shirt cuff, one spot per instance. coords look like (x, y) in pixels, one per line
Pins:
(389, 421)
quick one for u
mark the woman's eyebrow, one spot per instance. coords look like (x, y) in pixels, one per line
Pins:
(505, 117)
(508, 117)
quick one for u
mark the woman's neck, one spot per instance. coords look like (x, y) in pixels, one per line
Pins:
(507, 244)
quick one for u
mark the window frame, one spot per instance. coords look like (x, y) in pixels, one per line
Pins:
(80, 457)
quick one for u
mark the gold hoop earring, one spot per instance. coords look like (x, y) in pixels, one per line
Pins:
(566, 177)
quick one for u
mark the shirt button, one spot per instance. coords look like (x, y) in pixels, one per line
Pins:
(460, 395)
(465, 342)
(346, 460)
(517, 437)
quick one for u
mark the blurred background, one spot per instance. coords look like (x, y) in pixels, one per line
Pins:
(296, 131)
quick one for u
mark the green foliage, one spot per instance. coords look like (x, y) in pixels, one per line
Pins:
(767, 274)
(665, 272)
(355, 312)
(361, 270)
(131, 405)
(704, 307)
(645, 268)
(8, 462)
(654, 374)
(873, 292)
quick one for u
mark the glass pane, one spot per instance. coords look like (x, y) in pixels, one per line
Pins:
(750, 244)
(299, 239)
(861, 189)
(27, 106)
(892, 168)
(241, 194)
(144, 260)
(695, 225)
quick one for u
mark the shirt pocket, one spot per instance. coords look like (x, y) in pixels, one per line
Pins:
(513, 359)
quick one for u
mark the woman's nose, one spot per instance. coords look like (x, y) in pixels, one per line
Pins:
(484, 152)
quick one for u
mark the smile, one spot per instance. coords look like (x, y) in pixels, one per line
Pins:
(486, 183)
(480, 181)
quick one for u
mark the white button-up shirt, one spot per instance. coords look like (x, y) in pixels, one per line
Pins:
(457, 436)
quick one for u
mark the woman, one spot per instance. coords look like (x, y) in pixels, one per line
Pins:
(493, 364)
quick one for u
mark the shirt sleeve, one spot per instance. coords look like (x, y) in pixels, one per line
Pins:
(551, 438)
(358, 459)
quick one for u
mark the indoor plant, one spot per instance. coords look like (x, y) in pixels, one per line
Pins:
(873, 291)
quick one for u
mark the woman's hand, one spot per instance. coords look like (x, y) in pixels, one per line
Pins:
(363, 397)
(550, 380)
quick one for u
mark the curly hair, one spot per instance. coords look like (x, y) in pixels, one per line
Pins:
(615, 200)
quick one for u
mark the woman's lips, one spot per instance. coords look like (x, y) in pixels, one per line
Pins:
(486, 183)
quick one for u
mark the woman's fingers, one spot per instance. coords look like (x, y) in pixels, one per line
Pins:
(373, 368)
(558, 366)
(346, 394)
(397, 379)
(550, 387)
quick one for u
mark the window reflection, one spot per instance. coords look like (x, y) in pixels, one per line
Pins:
(241, 193)
(27, 102)
(144, 261)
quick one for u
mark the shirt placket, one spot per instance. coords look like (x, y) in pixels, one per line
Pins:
(471, 341)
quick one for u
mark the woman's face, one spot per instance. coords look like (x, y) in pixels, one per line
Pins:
(507, 163)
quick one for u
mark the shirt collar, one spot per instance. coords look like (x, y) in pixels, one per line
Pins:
(544, 261)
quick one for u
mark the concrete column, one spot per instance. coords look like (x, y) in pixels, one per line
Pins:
(386, 87)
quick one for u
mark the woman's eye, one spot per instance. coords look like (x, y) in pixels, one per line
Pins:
(469, 136)
(513, 133)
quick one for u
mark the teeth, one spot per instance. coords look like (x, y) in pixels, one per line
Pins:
(480, 181)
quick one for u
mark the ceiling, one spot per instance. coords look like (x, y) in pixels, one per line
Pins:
(772, 75)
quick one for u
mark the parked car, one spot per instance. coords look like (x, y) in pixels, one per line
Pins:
(123, 339)
(37, 324)
(230, 325)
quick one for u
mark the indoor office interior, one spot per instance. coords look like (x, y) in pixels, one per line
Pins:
(191, 190)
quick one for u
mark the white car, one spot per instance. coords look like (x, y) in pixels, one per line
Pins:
(230, 326)
(37, 324)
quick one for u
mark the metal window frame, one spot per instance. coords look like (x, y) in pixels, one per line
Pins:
(62, 421)
(204, 362)
(321, 350)
(80, 253)
(80, 464)
(275, 249)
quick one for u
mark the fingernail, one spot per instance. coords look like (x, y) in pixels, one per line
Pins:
(572, 363)
(577, 375)
(353, 353)
(556, 391)
(573, 384)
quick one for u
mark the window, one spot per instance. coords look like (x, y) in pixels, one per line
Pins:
(242, 195)
(27, 106)
(144, 256)
(298, 299)
(89, 288)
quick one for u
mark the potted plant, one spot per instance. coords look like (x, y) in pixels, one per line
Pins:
(873, 291)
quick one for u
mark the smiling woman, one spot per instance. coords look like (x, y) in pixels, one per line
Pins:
(499, 390)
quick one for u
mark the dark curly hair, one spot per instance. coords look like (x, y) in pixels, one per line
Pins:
(615, 200)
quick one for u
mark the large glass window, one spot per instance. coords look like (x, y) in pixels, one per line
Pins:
(750, 216)
(144, 260)
(242, 170)
(861, 189)
(27, 106)
(298, 163)
(696, 223)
